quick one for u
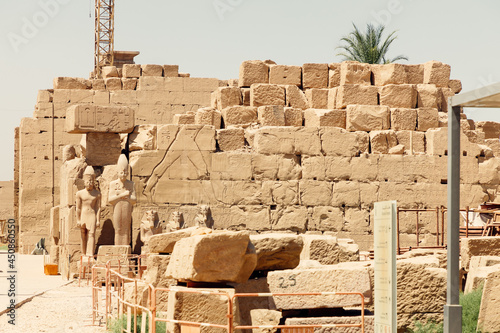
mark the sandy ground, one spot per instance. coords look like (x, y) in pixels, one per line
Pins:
(64, 309)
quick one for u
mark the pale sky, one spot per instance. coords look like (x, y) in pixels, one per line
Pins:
(43, 39)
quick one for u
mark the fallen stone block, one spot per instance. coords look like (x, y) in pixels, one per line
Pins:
(131, 71)
(427, 118)
(295, 97)
(165, 242)
(320, 117)
(231, 139)
(339, 142)
(71, 83)
(353, 72)
(355, 94)
(367, 118)
(253, 71)
(484, 246)
(315, 76)
(271, 115)
(218, 257)
(152, 70)
(228, 96)
(293, 116)
(399, 96)
(283, 74)
(317, 98)
(267, 94)
(389, 74)
(208, 116)
(326, 279)
(437, 73)
(99, 119)
(277, 251)
(328, 250)
(403, 119)
(382, 141)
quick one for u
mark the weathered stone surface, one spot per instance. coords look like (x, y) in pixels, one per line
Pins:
(231, 139)
(367, 118)
(415, 73)
(339, 142)
(325, 218)
(320, 117)
(446, 93)
(136, 294)
(326, 279)
(403, 119)
(227, 96)
(265, 317)
(427, 118)
(131, 71)
(382, 141)
(208, 116)
(437, 143)
(484, 246)
(317, 98)
(102, 148)
(399, 96)
(455, 86)
(437, 73)
(334, 75)
(152, 70)
(355, 94)
(165, 242)
(267, 94)
(184, 119)
(289, 218)
(242, 217)
(239, 115)
(155, 273)
(283, 74)
(253, 71)
(287, 140)
(218, 257)
(389, 74)
(295, 97)
(489, 319)
(353, 72)
(350, 320)
(129, 84)
(231, 165)
(143, 138)
(491, 129)
(71, 83)
(271, 115)
(476, 277)
(314, 76)
(429, 96)
(99, 119)
(171, 70)
(113, 83)
(277, 251)
(293, 116)
(328, 250)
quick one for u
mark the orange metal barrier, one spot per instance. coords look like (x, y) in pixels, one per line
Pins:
(131, 262)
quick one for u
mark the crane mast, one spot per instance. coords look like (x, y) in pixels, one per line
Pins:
(104, 35)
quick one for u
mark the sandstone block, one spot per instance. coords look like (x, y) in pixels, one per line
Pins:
(160, 83)
(277, 251)
(477, 277)
(429, 96)
(295, 97)
(339, 142)
(283, 74)
(389, 74)
(326, 279)
(171, 70)
(318, 118)
(113, 83)
(314, 193)
(293, 116)
(332, 98)
(165, 242)
(287, 140)
(231, 166)
(131, 71)
(184, 119)
(231, 139)
(315, 76)
(437, 73)
(484, 246)
(109, 71)
(129, 84)
(71, 83)
(324, 218)
(99, 119)
(186, 138)
(228, 96)
(208, 116)
(353, 72)
(143, 138)
(403, 119)
(415, 73)
(289, 218)
(267, 94)
(328, 250)
(102, 148)
(217, 257)
(253, 71)
(251, 217)
(489, 320)
(245, 96)
(427, 118)
(348, 320)
(355, 94)
(100, 98)
(490, 129)
(152, 70)
(44, 96)
(98, 84)
(455, 86)
(399, 96)
(155, 272)
(367, 118)
(414, 142)
(334, 75)
(271, 115)
(239, 115)
(382, 141)
(317, 98)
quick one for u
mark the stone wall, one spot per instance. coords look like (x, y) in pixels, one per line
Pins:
(298, 148)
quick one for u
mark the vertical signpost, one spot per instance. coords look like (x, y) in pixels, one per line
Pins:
(385, 267)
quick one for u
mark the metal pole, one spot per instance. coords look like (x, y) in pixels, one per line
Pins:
(452, 309)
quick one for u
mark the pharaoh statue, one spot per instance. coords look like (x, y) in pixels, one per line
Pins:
(88, 208)
(149, 225)
(122, 197)
(204, 217)
(176, 222)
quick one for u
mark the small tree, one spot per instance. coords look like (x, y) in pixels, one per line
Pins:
(368, 47)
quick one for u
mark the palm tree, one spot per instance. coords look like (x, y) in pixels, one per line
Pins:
(368, 47)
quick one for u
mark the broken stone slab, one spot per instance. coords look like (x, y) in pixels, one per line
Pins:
(491, 129)
(113, 83)
(477, 276)
(253, 71)
(429, 96)
(489, 315)
(367, 118)
(85, 118)
(483, 261)
(223, 256)
(277, 251)
(165, 242)
(208, 116)
(455, 86)
(265, 317)
(483, 246)
(136, 293)
(109, 71)
(328, 250)
(334, 75)
(415, 73)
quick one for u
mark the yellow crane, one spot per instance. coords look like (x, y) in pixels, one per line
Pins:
(104, 35)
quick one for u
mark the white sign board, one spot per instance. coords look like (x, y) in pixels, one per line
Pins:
(385, 267)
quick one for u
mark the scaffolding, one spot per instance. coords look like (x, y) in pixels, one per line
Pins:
(104, 35)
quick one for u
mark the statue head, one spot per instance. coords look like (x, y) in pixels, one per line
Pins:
(69, 153)
(122, 167)
(89, 178)
(204, 210)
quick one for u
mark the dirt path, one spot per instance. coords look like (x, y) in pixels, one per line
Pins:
(64, 309)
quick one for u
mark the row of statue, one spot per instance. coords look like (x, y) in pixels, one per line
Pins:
(123, 198)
